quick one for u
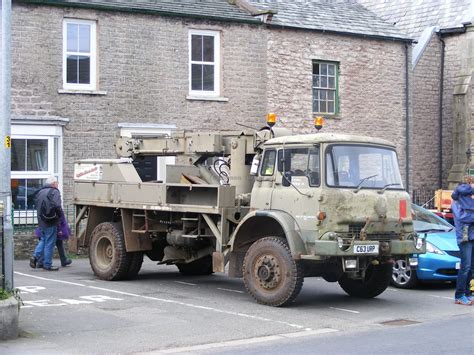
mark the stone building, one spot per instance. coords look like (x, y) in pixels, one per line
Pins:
(443, 62)
(86, 71)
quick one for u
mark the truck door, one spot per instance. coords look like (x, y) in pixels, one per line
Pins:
(296, 185)
(263, 186)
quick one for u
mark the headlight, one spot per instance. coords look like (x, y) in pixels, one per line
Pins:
(418, 243)
(430, 248)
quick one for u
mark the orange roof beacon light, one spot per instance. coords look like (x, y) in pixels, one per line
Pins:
(318, 122)
(271, 119)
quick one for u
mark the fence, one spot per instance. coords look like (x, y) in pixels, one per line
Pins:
(424, 197)
(25, 222)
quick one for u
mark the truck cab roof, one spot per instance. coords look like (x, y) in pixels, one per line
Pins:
(326, 138)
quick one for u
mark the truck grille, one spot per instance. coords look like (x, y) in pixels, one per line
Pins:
(355, 230)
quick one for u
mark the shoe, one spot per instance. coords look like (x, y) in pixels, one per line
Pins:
(52, 268)
(33, 262)
(470, 298)
(67, 262)
(463, 300)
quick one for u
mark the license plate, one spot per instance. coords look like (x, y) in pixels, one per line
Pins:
(366, 249)
(458, 265)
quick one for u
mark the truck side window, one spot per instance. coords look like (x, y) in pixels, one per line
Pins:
(300, 162)
(268, 163)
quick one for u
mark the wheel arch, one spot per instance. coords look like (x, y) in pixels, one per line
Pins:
(259, 224)
(97, 215)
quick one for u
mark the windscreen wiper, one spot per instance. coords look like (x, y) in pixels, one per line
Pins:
(358, 187)
(387, 186)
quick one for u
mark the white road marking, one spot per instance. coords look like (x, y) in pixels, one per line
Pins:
(185, 283)
(447, 298)
(163, 300)
(229, 290)
(243, 342)
(46, 279)
(392, 289)
(43, 303)
(31, 289)
(344, 310)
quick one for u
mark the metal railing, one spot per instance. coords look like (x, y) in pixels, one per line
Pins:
(25, 221)
(424, 197)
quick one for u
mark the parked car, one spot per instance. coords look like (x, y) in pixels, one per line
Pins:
(441, 261)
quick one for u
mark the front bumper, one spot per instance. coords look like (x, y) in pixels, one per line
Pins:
(435, 267)
(328, 248)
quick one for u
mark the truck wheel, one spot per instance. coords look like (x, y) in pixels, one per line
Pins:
(107, 255)
(377, 279)
(197, 267)
(403, 276)
(136, 261)
(271, 275)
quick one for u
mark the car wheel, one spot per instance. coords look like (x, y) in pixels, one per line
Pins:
(403, 276)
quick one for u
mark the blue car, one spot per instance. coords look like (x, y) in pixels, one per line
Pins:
(441, 261)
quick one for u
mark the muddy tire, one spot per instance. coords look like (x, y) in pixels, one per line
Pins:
(198, 267)
(136, 261)
(107, 255)
(377, 279)
(271, 275)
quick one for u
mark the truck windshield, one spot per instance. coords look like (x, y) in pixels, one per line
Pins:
(361, 166)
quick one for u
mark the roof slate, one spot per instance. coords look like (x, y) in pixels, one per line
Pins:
(205, 9)
(339, 16)
(346, 16)
(413, 17)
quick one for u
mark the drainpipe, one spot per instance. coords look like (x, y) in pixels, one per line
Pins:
(440, 118)
(5, 143)
(407, 122)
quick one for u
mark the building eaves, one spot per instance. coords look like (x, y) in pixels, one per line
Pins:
(217, 10)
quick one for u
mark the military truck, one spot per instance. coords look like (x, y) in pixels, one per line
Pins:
(264, 205)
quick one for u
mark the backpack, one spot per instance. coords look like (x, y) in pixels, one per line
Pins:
(49, 210)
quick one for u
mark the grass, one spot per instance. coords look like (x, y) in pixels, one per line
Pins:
(4, 294)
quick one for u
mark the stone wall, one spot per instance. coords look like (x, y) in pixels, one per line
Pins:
(371, 83)
(142, 67)
(425, 135)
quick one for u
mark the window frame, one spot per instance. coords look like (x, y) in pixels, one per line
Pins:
(268, 151)
(92, 54)
(53, 134)
(216, 63)
(336, 89)
(327, 170)
(285, 151)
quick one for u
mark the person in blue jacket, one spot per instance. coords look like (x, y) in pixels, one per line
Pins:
(463, 211)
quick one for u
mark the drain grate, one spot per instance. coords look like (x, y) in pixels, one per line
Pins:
(400, 322)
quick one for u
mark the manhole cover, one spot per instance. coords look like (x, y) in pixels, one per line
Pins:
(400, 322)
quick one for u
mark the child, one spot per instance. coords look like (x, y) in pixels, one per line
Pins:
(464, 195)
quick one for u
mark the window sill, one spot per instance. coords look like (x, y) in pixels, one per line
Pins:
(335, 116)
(81, 92)
(207, 98)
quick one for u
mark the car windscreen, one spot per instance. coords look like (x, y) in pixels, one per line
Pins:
(364, 166)
(426, 221)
